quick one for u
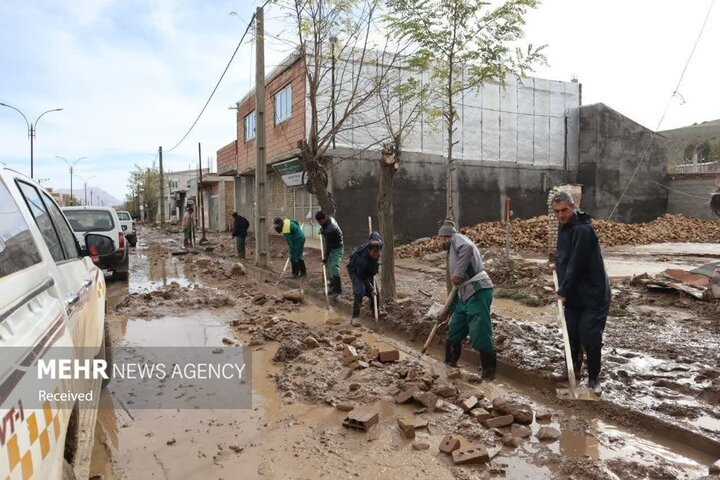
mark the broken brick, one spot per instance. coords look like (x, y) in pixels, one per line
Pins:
(407, 427)
(454, 373)
(520, 431)
(480, 414)
(372, 354)
(407, 395)
(361, 419)
(421, 423)
(469, 403)
(420, 445)
(510, 440)
(472, 454)
(450, 443)
(497, 422)
(548, 434)
(389, 356)
(345, 407)
(427, 399)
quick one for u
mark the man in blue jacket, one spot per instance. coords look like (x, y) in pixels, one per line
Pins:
(584, 287)
(334, 248)
(362, 267)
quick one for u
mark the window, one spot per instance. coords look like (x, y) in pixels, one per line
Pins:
(90, 220)
(17, 246)
(124, 216)
(67, 237)
(283, 104)
(250, 126)
(42, 219)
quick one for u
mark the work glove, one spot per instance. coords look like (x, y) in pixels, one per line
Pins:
(324, 260)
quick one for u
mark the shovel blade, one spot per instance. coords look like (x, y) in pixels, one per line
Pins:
(581, 393)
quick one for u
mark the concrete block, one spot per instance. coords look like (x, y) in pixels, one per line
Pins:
(469, 403)
(471, 454)
(497, 422)
(407, 395)
(389, 356)
(480, 414)
(361, 419)
(450, 443)
(407, 427)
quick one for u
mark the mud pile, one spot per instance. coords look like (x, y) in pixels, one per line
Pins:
(173, 297)
(532, 234)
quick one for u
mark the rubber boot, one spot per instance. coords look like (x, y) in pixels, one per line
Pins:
(295, 269)
(301, 268)
(334, 287)
(594, 356)
(357, 303)
(488, 361)
(452, 353)
(241, 254)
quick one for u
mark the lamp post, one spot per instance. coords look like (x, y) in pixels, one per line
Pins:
(32, 128)
(72, 169)
(85, 182)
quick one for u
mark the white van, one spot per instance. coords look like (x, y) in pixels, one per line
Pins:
(52, 296)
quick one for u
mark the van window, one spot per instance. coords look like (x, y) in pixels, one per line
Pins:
(17, 246)
(90, 220)
(67, 237)
(124, 216)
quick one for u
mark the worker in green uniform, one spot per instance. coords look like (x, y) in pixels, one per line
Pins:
(290, 229)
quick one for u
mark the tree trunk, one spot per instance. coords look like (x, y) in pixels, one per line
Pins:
(316, 179)
(388, 166)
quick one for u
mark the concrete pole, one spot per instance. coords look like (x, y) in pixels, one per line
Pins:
(162, 191)
(261, 232)
(203, 240)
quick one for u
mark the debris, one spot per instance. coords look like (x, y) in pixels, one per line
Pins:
(510, 440)
(260, 299)
(349, 354)
(480, 414)
(469, 403)
(311, 342)
(454, 373)
(407, 427)
(548, 434)
(473, 378)
(523, 413)
(345, 407)
(355, 386)
(520, 431)
(420, 445)
(171, 442)
(236, 448)
(473, 454)
(237, 269)
(421, 423)
(496, 422)
(407, 395)
(427, 399)
(715, 468)
(361, 419)
(450, 443)
(296, 295)
(542, 415)
(445, 390)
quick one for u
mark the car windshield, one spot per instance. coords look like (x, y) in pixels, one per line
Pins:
(90, 220)
(123, 216)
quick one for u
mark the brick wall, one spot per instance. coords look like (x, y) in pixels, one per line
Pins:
(280, 139)
(227, 158)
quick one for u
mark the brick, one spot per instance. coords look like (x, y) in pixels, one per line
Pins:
(345, 407)
(450, 443)
(389, 356)
(420, 445)
(349, 353)
(361, 419)
(427, 399)
(520, 431)
(480, 414)
(407, 427)
(454, 373)
(421, 423)
(543, 415)
(472, 454)
(497, 422)
(372, 354)
(548, 434)
(407, 395)
(469, 403)
(510, 440)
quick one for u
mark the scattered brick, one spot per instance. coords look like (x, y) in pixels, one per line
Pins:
(428, 399)
(407, 395)
(469, 403)
(497, 422)
(407, 427)
(345, 407)
(450, 443)
(480, 414)
(510, 440)
(520, 431)
(472, 454)
(548, 434)
(421, 445)
(361, 419)
(389, 356)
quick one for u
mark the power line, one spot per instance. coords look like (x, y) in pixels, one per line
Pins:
(232, 57)
(667, 107)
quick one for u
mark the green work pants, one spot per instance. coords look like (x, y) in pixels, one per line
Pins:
(240, 243)
(333, 262)
(473, 317)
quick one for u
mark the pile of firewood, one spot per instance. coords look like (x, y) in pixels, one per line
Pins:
(531, 235)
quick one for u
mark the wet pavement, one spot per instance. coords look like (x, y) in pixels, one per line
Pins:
(293, 434)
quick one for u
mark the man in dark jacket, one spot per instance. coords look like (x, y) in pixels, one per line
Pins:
(240, 229)
(334, 248)
(363, 266)
(584, 287)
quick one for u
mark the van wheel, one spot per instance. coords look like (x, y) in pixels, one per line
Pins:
(105, 353)
(122, 276)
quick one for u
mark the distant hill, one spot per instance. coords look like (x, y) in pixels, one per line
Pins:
(692, 134)
(99, 196)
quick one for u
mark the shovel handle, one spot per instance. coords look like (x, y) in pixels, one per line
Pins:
(442, 314)
(566, 341)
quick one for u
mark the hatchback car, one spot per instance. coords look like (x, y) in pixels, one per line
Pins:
(104, 221)
(128, 226)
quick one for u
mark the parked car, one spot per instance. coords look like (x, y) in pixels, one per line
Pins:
(102, 220)
(128, 226)
(51, 295)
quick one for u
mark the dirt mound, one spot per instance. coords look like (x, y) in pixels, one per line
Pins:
(532, 234)
(173, 297)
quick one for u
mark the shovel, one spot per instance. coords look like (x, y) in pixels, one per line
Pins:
(441, 315)
(287, 262)
(574, 392)
(325, 282)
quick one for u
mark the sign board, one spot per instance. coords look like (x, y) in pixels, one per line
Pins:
(290, 171)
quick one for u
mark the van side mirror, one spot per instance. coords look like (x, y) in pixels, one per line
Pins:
(98, 245)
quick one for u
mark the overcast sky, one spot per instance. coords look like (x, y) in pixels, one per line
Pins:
(132, 75)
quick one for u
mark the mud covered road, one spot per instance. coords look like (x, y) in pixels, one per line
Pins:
(658, 418)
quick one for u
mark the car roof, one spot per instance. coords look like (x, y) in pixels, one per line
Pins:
(90, 207)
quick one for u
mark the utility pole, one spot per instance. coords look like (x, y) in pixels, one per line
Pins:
(261, 232)
(71, 166)
(203, 240)
(162, 191)
(32, 128)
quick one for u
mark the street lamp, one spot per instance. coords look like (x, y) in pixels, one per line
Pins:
(85, 182)
(72, 168)
(32, 128)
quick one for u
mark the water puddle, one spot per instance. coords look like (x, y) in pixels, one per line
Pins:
(505, 307)
(203, 328)
(151, 273)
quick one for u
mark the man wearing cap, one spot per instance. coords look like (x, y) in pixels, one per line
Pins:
(334, 248)
(362, 267)
(471, 305)
(290, 229)
(187, 226)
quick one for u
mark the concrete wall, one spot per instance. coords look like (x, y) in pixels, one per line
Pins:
(419, 193)
(611, 146)
(690, 194)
